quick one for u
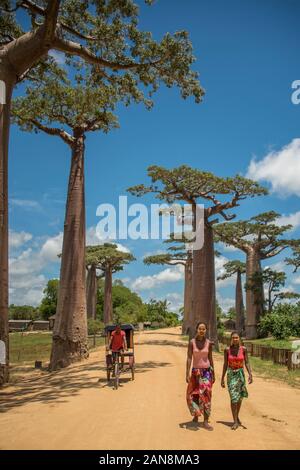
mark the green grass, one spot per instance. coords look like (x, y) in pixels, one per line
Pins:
(31, 347)
(275, 343)
(268, 370)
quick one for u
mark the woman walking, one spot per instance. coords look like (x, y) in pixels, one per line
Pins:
(200, 381)
(235, 357)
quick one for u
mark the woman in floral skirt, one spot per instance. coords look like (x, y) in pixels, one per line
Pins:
(200, 381)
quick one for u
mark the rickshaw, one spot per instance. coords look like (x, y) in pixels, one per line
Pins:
(113, 367)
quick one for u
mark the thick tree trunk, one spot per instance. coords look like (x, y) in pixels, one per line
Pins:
(108, 306)
(187, 308)
(253, 297)
(203, 286)
(91, 292)
(70, 329)
(239, 305)
(7, 88)
(15, 59)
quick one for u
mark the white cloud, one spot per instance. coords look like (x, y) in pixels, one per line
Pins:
(225, 302)
(26, 204)
(156, 280)
(278, 266)
(220, 270)
(281, 169)
(27, 280)
(17, 239)
(176, 301)
(26, 270)
(59, 57)
(93, 239)
(52, 248)
(296, 280)
(227, 248)
(291, 219)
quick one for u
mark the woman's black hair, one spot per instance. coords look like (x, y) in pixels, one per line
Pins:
(201, 323)
(235, 333)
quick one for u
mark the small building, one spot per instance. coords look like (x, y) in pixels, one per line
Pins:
(41, 325)
(228, 323)
(51, 322)
(20, 325)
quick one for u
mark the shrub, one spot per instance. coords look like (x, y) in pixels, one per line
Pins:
(282, 322)
(94, 326)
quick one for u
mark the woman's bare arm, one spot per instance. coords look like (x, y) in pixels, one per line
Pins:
(189, 360)
(247, 364)
(225, 365)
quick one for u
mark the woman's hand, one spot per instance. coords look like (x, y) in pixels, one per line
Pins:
(187, 378)
(222, 383)
(213, 378)
(250, 379)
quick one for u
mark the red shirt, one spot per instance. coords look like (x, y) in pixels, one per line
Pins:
(117, 340)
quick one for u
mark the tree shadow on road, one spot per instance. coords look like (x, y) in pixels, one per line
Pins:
(59, 386)
(166, 342)
(154, 332)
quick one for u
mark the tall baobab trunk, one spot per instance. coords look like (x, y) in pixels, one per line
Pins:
(108, 308)
(253, 296)
(70, 329)
(239, 304)
(15, 59)
(7, 88)
(203, 285)
(91, 292)
(187, 312)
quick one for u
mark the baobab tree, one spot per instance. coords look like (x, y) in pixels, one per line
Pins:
(92, 254)
(190, 185)
(111, 260)
(179, 255)
(259, 238)
(103, 34)
(272, 281)
(238, 268)
(295, 259)
(81, 109)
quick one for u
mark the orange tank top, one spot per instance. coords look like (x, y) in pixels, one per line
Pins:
(200, 356)
(236, 362)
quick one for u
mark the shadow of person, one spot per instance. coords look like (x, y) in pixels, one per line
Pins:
(229, 424)
(191, 425)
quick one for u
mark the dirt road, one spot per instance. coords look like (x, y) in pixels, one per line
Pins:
(76, 408)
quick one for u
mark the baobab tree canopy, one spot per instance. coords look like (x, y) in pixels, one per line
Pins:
(81, 107)
(102, 33)
(232, 267)
(259, 232)
(295, 259)
(189, 184)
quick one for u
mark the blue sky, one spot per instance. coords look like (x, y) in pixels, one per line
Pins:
(248, 56)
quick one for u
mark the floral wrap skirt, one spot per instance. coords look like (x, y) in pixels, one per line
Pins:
(199, 392)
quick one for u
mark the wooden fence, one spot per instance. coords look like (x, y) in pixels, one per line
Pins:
(279, 356)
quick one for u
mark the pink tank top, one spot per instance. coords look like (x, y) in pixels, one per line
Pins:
(236, 362)
(200, 356)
